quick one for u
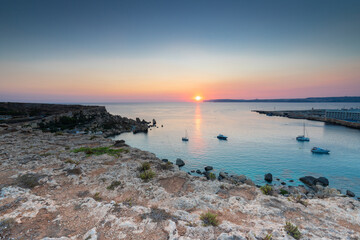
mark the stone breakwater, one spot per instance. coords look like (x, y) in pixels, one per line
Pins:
(314, 115)
(66, 186)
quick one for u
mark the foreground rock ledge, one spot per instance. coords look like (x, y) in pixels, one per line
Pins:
(68, 195)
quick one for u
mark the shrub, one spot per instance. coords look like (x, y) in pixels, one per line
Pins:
(58, 133)
(266, 189)
(145, 166)
(71, 161)
(209, 219)
(167, 166)
(28, 180)
(147, 175)
(283, 192)
(97, 197)
(212, 176)
(298, 199)
(292, 230)
(113, 185)
(268, 237)
(74, 171)
(100, 151)
(128, 202)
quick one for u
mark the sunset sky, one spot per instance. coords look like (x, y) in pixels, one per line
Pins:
(114, 51)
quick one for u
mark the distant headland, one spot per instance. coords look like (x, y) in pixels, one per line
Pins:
(292, 100)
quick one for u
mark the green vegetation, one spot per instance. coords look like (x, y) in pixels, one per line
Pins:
(28, 180)
(59, 133)
(147, 175)
(266, 189)
(209, 219)
(212, 176)
(268, 237)
(97, 197)
(145, 166)
(167, 166)
(128, 202)
(71, 161)
(292, 230)
(298, 199)
(93, 137)
(113, 185)
(100, 151)
(283, 192)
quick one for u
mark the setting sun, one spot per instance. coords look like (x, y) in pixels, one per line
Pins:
(198, 98)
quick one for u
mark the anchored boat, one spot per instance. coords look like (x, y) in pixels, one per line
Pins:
(303, 138)
(222, 137)
(320, 150)
(185, 139)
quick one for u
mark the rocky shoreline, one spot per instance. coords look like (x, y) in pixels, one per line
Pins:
(79, 186)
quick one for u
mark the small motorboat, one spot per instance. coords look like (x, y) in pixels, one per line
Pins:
(320, 150)
(302, 138)
(222, 137)
(185, 139)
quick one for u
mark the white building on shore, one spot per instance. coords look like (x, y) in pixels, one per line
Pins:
(351, 115)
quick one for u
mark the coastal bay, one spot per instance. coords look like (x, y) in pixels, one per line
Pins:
(51, 189)
(67, 184)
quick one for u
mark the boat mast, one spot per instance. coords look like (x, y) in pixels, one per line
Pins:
(304, 129)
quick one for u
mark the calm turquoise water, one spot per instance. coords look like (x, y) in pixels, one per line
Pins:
(256, 144)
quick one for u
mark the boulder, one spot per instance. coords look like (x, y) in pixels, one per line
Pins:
(154, 122)
(283, 183)
(198, 171)
(180, 162)
(249, 182)
(120, 143)
(311, 181)
(350, 193)
(208, 168)
(165, 160)
(240, 178)
(308, 180)
(223, 175)
(324, 181)
(268, 177)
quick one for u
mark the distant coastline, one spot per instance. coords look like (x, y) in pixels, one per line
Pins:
(293, 100)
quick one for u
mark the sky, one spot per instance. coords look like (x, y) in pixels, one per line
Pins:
(133, 51)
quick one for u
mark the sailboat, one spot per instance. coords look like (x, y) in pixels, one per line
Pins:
(185, 139)
(302, 138)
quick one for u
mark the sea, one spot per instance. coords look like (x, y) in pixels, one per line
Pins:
(257, 144)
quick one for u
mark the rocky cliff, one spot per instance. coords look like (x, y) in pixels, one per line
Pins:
(74, 118)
